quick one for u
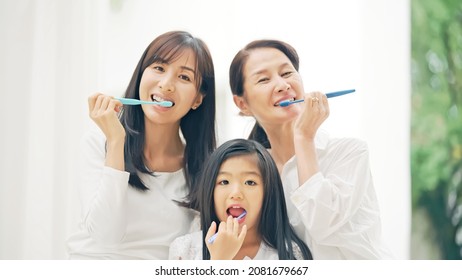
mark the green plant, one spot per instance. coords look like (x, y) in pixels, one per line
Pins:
(436, 120)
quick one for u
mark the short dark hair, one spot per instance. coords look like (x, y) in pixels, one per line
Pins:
(274, 225)
(197, 126)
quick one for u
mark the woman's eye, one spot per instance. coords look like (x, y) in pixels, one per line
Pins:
(250, 183)
(159, 68)
(185, 77)
(262, 80)
(223, 182)
(286, 74)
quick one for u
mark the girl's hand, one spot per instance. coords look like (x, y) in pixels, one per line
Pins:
(103, 111)
(229, 240)
(316, 111)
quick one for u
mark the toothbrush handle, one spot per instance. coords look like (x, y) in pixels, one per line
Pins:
(211, 239)
(338, 93)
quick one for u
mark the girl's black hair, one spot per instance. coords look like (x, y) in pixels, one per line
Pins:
(237, 79)
(274, 226)
(197, 126)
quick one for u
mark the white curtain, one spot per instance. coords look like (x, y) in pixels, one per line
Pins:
(55, 53)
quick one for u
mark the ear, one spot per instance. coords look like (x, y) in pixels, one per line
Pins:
(197, 101)
(241, 103)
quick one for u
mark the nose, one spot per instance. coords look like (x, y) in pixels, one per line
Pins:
(281, 85)
(235, 192)
(166, 83)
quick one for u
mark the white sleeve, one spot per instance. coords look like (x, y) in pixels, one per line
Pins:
(338, 205)
(180, 248)
(103, 192)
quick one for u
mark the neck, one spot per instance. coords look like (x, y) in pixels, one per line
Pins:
(163, 148)
(282, 142)
(250, 246)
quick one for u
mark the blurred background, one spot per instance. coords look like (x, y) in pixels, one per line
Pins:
(55, 53)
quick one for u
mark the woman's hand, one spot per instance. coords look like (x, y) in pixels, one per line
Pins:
(103, 111)
(229, 240)
(316, 111)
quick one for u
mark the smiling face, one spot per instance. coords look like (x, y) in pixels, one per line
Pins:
(239, 187)
(269, 78)
(175, 82)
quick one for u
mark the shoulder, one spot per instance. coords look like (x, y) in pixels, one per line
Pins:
(347, 146)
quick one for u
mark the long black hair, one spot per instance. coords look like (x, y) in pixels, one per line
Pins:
(237, 79)
(274, 226)
(197, 126)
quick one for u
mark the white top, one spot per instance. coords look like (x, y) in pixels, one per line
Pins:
(336, 211)
(189, 247)
(120, 222)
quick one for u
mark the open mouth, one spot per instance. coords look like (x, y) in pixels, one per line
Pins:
(290, 99)
(236, 212)
(157, 98)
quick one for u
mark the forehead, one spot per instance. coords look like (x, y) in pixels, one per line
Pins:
(262, 59)
(185, 56)
(240, 164)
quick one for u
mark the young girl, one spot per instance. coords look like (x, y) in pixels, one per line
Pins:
(240, 177)
(330, 195)
(146, 158)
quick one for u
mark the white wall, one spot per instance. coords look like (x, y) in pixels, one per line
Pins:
(56, 53)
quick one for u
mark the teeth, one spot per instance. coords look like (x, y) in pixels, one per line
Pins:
(157, 98)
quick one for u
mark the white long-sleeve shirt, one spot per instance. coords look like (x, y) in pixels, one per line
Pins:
(336, 211)
(120, 222)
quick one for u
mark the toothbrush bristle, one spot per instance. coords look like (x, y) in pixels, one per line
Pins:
(166, 104)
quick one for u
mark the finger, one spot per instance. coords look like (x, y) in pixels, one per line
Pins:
(92, 101)
(222, 227)
(99, 101)
(105, 104)
(229, 224)
(243, 233)
(211, 231)
(115, 105)
(235, 227)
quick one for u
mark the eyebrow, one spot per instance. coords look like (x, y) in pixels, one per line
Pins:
(188, 69)
(246, 173)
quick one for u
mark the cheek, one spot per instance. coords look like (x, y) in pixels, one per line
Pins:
(219, 202)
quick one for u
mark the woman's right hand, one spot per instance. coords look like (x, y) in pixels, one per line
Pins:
(103, 111)
(316, 111)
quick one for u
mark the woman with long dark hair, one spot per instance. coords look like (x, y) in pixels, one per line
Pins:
(145, 158)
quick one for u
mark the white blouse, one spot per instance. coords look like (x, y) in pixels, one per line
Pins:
(189, 247)
(336, 211)
(120, 222)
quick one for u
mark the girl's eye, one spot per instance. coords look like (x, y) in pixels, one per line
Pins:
(223, 182)
(250, 183)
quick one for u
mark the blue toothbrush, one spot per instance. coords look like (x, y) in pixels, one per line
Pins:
(130, 101)
(328, 95)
